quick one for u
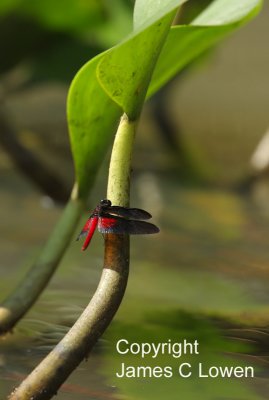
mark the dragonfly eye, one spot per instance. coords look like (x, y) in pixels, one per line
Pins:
(105, 202)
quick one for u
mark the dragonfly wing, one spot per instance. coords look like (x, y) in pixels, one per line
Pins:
(130, 213)
(142, 227)
(121, 226)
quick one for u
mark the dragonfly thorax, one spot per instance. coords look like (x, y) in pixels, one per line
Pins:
(101, 207)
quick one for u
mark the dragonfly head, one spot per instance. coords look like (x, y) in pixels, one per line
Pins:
(105, 203)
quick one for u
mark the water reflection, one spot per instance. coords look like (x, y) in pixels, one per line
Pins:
(202, 278)
(194, 372)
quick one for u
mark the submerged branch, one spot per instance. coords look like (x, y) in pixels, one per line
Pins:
(24, 296)
(48, 376)
(30, 165)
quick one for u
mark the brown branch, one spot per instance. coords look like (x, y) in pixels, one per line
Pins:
(49, 375)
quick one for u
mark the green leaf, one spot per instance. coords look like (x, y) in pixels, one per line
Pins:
(93, 104)
(148, 11)
(117, 80)
(92, 118)
(185, 43)
(125, 71)
(223, 12)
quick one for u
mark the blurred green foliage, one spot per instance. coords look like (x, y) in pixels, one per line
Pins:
(56, 38)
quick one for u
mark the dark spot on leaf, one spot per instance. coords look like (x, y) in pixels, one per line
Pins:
(74, 122)
(116, 93)
(137, 91)
(96, 119)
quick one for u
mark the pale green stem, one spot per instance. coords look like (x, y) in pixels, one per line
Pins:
(49, 375)
(118, 188)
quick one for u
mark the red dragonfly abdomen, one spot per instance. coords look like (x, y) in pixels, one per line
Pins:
(92, 223)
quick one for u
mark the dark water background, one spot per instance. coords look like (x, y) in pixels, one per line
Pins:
(204, 277)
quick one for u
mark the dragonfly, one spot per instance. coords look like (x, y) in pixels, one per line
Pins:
(118, 220)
